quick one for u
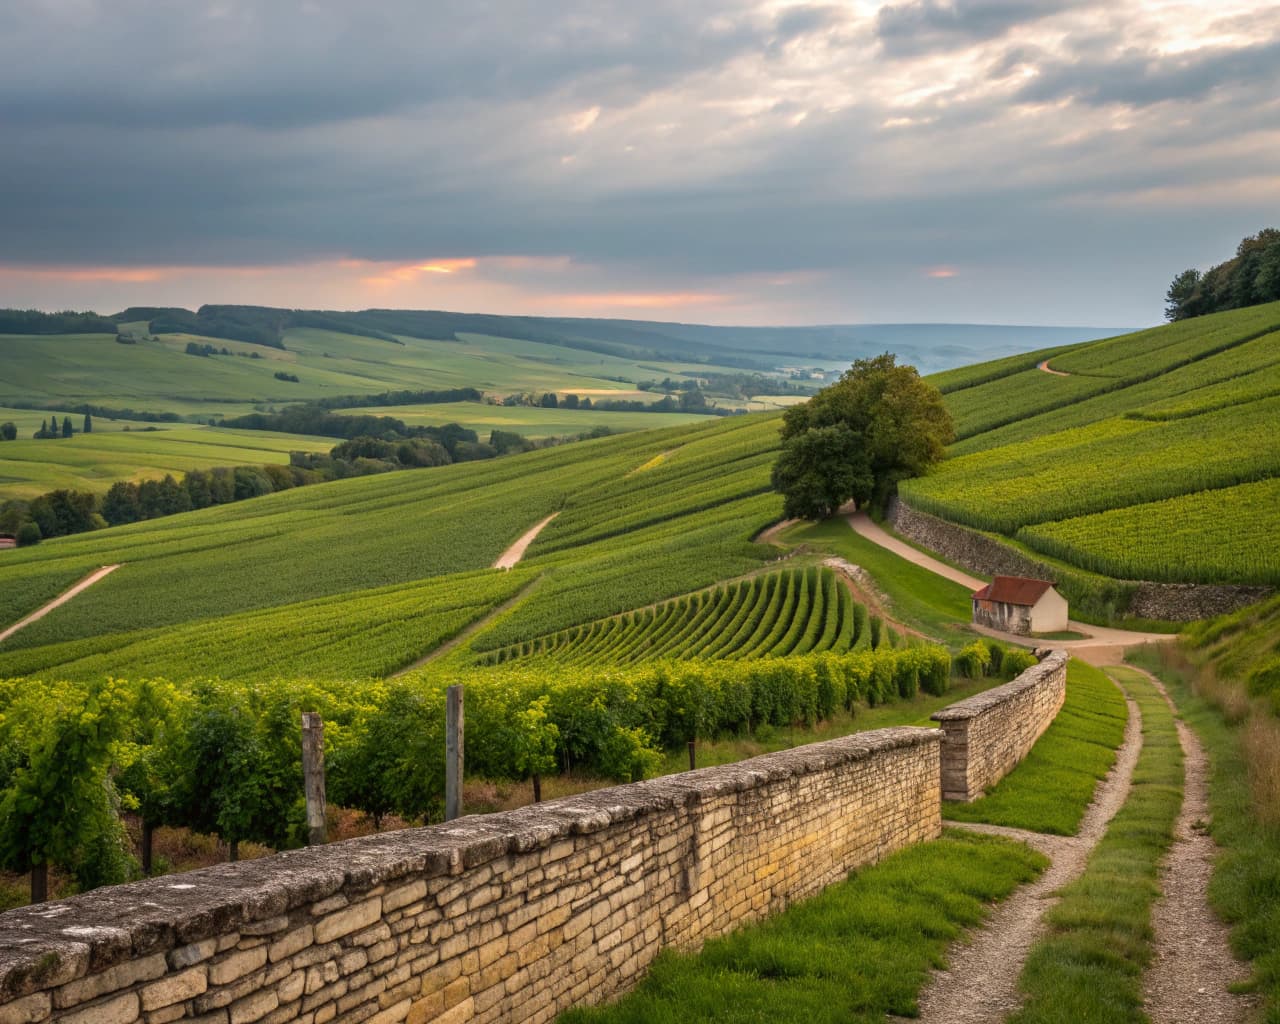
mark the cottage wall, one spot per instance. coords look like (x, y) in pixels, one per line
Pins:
(503, 917)
(1008, 618)
(1049, 614)
(989, 733)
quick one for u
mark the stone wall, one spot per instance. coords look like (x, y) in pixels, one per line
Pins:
(1173, 602)
(989, 733)
(503, 917)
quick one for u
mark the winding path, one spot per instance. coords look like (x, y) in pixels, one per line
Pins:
(61, 599)
(981, 981)
(1044, 365)
(510, 558)
(1100, 645)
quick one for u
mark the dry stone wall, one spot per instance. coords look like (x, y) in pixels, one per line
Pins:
(990, 732)
(1172, 602)
(504, 917)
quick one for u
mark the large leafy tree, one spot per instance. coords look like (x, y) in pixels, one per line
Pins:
(880, 423)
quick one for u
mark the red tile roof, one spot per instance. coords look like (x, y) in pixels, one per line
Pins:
(1013, 590)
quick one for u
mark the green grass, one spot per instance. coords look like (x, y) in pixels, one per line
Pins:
(1089, 966)
(1050, 790)
(860, 950)
(919, 598)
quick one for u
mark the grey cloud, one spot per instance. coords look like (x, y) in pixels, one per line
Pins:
(1142, 79)
(926, 26)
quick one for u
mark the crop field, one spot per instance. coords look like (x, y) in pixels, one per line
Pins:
(1220, 536)
(796, 611)
(1118, 469)
(94, 461)
(533, 421)
(405, 528)
(157, 375)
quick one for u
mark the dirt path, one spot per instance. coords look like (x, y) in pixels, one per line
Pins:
(1193, 966)
(511, 557)
(61, 599)
(1100, 645)
(471, 630)
(769, 535)
(981, 982)
(1044, 365)
(863, 590)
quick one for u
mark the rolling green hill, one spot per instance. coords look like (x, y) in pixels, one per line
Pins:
(647, 517)
(1150, 456)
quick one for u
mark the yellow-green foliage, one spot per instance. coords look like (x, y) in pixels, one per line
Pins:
(739, 620)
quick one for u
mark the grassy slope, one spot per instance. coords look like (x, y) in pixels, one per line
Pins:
(1070, 465)
(859, 951)
(397, 529)
(1050, 789)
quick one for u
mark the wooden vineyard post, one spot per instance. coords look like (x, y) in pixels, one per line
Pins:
(453, 753)
(313, 776)
(693, 754)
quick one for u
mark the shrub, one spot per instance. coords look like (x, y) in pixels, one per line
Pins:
(973, 661)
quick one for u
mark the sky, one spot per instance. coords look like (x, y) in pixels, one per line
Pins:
(713, 161)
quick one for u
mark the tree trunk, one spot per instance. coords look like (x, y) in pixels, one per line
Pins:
(39, 882)
(537, 788)
(148, 831)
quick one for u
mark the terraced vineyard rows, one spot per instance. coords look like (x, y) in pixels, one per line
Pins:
(789, 612)
(1221, 536)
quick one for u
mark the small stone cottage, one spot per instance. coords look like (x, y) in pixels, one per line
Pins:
(1016, 604)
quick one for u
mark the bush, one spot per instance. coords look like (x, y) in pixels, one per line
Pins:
(1017, 660)
(973, 661)
(28, 534)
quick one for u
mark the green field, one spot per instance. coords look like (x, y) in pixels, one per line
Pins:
(531, 420)
(156, 374)
(1154, 459)
(94, 461)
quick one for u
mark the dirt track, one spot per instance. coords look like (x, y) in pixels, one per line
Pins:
(510, 558)
(1044, 365)
(981, 982)
(61, 599)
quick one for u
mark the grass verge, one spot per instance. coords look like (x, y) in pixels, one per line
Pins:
(1089, 967)
(920, 598)
(1050, 789)
(860, 950)
(1245, 889)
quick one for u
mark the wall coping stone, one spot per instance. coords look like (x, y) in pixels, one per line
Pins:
(981, 703)
(52, 943)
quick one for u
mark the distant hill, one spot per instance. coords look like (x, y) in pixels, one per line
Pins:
(930, 347)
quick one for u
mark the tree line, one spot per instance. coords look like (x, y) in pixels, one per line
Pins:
(1250, 278)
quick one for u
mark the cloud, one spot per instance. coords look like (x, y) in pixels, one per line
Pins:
(611, 152)
(923, 26)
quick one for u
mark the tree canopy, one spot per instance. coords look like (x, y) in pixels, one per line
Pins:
(1249, 279)
(880, 423)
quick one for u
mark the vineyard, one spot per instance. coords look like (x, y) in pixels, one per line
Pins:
(226, 757)
(1154, 459)
(791, 612)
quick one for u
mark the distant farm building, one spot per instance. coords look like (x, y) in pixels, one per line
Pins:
(8, 541)
(1016, 604)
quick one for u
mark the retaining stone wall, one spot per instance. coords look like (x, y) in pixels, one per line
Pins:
(503, 917)
(990, 732)
(1172, 602)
